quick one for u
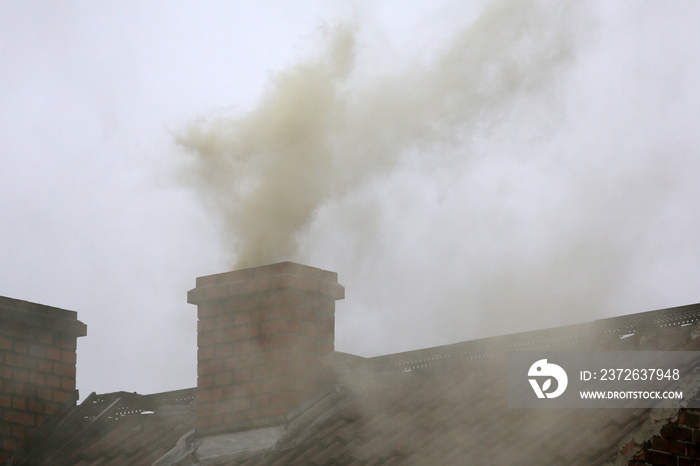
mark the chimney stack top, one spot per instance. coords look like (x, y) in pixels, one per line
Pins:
(263, 337)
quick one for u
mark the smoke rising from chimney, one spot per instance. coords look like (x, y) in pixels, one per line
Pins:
(516, 177)
(320, 131)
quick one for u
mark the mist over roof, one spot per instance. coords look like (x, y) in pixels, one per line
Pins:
(476, 170)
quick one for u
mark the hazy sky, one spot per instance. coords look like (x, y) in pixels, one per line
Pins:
(468, 168)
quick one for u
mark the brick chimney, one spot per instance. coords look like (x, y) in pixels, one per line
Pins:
(263, 337)
(37, 367)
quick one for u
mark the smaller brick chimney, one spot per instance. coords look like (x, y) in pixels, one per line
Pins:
(263, 337)
(37, 367)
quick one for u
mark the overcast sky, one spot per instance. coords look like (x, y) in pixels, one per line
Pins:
(468, 168)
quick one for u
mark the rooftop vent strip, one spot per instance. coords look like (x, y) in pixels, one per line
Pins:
(620, 326)
(133, 403)
(664, 318)
(483, 352)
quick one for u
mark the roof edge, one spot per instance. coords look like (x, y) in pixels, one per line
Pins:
(609, 329)
(27, 314)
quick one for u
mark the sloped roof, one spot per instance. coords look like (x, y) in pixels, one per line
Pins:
(444, 405)
(449, 405)
(112, 429)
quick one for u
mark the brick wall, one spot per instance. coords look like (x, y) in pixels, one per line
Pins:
(263, 334)
(677, 444)
(37, 367)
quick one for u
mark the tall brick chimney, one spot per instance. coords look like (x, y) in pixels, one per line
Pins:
(37, 367)
(263, 337)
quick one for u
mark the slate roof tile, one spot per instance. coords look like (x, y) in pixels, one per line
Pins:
(445, 405)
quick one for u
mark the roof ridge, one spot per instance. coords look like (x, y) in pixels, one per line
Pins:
(615, 327)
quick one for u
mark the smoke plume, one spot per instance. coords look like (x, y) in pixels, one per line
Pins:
(320, 131)
(516, 177)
